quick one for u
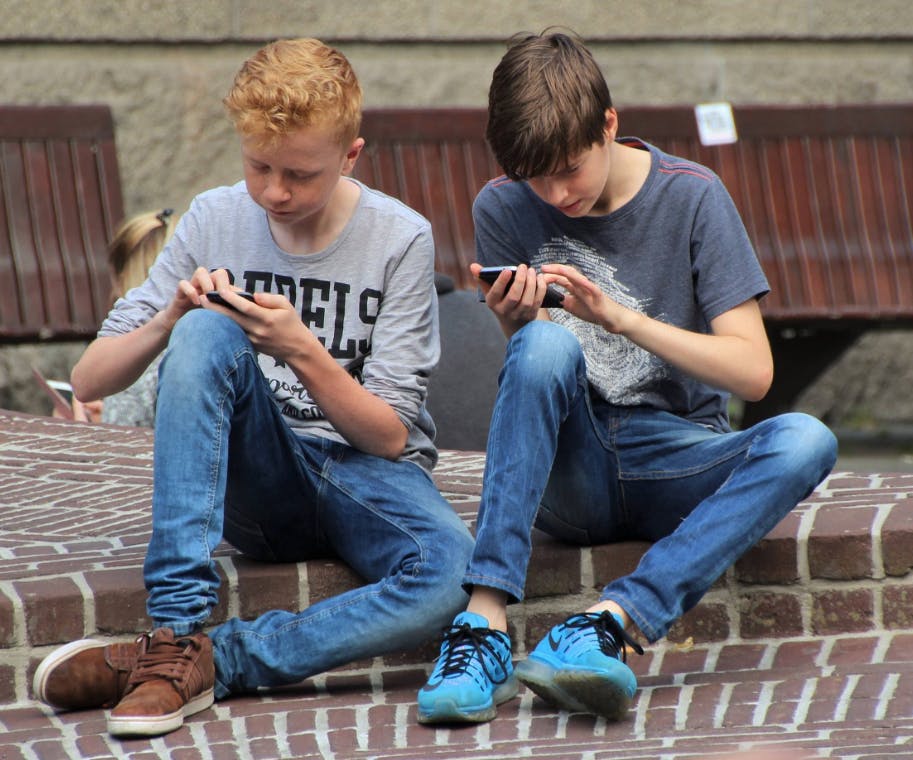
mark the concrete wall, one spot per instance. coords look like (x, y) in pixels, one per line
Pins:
(164, 65)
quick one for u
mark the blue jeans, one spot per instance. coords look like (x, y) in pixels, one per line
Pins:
(227, 463)
(590, 473)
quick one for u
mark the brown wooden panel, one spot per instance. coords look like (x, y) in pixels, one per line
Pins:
(61, 200)
(824, 191)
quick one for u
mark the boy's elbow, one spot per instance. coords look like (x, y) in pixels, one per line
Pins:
(78, 384)
(759, 384)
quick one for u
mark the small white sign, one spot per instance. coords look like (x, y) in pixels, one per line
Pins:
(715, 123)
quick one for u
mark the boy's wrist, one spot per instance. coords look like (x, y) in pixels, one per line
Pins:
(164, 322)
(623, 323)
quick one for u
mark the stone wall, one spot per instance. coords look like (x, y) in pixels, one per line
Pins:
(164, 66)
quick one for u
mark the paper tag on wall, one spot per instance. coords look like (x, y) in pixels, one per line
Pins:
(715, 123)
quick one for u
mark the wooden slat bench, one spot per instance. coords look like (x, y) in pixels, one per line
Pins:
(826, 193)
(60, 200)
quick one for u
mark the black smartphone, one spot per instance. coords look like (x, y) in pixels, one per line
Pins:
(214, 297)
(553, 297)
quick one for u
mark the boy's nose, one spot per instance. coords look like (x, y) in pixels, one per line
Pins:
(557, 193)
(276, 191)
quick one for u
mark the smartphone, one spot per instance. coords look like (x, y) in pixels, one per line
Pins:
(60, 393)
(214, 297)
(553, 297)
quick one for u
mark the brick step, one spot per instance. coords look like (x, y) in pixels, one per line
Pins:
(74, 523)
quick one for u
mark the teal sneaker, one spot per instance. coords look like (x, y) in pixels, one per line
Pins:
(472, 676)
(581, 666)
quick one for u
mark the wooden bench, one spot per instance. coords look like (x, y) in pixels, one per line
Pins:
(61, 200)
(826, 194)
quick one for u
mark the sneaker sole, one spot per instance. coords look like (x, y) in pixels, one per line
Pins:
(40, 679)
(448, 711)
(586, 691)
(156, 725)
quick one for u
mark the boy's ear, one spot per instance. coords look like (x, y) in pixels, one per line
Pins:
(611, 124)
(352, 154)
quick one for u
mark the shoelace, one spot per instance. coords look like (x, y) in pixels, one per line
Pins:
(163, 659)
(609, 633)
(464, 641)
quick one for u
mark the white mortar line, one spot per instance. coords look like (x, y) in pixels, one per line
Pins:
(88, 603)
(722, 705)
(20, 632)
(765, 699)
(884, 510)
(640, 714)
(322, 729)
(806, 522)
(804, 702)
(231, 583)
(886, 695)
(681, 707)
(304, 591)
(843, 701)
(401, 732)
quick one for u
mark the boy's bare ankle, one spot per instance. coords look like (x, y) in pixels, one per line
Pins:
(614, 608)
(490, 604)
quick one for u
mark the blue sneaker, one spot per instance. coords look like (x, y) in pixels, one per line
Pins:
(472, 676)
(580, 666)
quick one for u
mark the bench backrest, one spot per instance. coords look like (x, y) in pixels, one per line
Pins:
(61, 200)
(826, 193)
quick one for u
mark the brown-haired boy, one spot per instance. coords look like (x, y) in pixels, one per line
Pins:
(611, 416)
(293, 425)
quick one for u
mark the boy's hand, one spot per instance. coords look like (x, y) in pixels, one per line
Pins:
(90, 411)
(270, 321)
(584, 299)
(518, 304)
(189, 294)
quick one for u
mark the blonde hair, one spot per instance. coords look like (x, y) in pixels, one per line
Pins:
(290, 84)
(134, 248)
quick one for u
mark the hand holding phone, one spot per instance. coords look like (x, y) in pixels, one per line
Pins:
(553, 297)
(214, 297)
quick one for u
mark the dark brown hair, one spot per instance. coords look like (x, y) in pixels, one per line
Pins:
(546, 104)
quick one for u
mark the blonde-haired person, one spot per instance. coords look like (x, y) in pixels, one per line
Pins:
(134, 248)
(293, 425)
(131, 254)
(132, 251)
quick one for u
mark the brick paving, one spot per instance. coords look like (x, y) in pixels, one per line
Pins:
(807, 645)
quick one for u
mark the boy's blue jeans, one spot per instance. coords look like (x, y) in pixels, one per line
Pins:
(220, 439)
(590, 473)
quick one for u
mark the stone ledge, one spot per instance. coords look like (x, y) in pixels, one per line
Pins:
(74, 522)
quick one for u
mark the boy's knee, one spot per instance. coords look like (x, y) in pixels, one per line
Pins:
(546, 350)
(807, 441)
(206, 335)
(202, 324)
(201, 340)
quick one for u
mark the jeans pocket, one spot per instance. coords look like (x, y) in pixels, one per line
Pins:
(247, 536)
(548, 522)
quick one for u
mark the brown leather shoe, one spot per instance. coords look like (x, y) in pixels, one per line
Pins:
(172, 679)
(86, 673)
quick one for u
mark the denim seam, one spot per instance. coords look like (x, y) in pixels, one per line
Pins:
(629, 606)
(476, 579)
(326, 481)
(664, 474)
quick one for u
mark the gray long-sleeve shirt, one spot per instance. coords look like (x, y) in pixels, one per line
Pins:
(369, 298)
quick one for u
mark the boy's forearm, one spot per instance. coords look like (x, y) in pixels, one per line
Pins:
(365, 420)
(733, 363)
(112, 363)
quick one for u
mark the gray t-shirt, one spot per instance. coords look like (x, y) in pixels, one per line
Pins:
(369, 297)
(677, 252)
